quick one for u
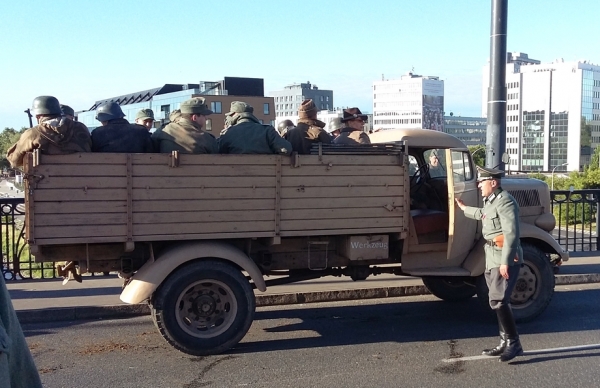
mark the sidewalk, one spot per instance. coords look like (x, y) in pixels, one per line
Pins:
(98, 297)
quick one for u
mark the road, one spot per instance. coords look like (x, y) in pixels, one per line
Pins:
(376, 343)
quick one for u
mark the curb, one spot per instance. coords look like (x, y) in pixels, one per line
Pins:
(128, 311)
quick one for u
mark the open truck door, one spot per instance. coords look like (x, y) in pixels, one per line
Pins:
(462, 184)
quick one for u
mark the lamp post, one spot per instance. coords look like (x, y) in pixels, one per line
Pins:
(564, 164)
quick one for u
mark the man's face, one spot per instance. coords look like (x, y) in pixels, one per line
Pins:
(433, 160)
(356, 124)
(199, 119)
(148, 123)
(487, 186)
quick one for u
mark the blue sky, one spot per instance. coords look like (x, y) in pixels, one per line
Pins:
(82, 51)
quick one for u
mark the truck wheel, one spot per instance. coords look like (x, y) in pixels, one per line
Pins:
(450, 289)
(204, 308)
(534, 288)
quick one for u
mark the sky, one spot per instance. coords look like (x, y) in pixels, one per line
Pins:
(82, 51)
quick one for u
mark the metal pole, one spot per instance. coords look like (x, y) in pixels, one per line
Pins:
(496, 125)
(30, 116)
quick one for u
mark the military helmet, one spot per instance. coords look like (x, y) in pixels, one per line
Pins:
(335, 125)
(67, 110)
(109, 111)
(46, 105)
(285, 124)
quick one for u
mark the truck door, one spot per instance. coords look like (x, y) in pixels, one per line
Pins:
(462, 184)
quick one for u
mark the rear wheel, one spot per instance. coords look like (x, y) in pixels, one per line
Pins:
(534, 289)
(450, 288)
(204, 308)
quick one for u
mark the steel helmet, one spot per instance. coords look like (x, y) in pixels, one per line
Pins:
(335, 125)
(46, 105)
(284, 125)
(109, 111)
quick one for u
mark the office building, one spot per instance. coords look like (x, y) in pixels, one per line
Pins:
(288, 100)
(413, 101)
(165, 99)
(470, 130)
(553, 112)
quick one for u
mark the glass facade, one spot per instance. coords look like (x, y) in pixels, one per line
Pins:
(559, 138)
(533, 140)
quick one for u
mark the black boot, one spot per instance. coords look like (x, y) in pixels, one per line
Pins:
(513, 346)
(500, 348)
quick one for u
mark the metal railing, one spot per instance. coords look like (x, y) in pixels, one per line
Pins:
(576, 213)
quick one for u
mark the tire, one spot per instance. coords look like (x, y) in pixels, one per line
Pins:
(534, 289)
(452, 289)
(204, 308)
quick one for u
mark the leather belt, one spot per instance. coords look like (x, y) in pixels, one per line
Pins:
(490, 243)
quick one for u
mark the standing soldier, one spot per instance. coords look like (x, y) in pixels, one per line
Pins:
(285, 126)
(54, 134)
(503, 255)
(309, 130)
(145, 118)
(246, 135)
(116, 134)
(184, 133)
(353, 132)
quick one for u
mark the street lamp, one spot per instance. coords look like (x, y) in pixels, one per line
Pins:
(564, 164)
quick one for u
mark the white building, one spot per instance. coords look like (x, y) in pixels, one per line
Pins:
(288, 100)
(553, 112)
(413, 101)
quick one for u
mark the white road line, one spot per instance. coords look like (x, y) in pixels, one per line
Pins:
(528, 353)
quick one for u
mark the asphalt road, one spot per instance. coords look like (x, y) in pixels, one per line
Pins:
(399, 342)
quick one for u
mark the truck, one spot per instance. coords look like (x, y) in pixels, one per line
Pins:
(194, 235)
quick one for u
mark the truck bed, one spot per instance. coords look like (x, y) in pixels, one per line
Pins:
(91, 198)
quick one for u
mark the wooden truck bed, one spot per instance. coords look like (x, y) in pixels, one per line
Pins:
(110, 198)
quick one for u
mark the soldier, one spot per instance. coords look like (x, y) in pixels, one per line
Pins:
(116, 134)
(503, 255)
(309, 130)
(353, 132)
(67, 112)
(246, 135)
(436, 167)
(17, 368)
(54, 134)
(184, 133)
(145, 118)
(334, 127)
(285, 126)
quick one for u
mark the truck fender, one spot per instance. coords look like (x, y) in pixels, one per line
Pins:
(151, 275)
(532, 232)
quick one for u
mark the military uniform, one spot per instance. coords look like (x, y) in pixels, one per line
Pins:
(500, 229)
(121, 136)
(17, 368)
(247, 135)
(53, 136)
(308, 131)
(185, 136)
(349, 135)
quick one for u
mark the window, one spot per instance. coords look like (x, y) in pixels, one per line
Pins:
(208, 125)
(266, 108)
(215, 106)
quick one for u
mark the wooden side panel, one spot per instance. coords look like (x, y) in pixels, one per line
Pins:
(84, 197)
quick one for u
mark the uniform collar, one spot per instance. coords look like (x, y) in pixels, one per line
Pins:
(490, 198)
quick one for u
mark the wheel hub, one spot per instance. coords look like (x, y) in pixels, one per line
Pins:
(204, 305)
(526, 286)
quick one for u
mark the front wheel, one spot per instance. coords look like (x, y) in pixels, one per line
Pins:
(205, 307)
(534, 288)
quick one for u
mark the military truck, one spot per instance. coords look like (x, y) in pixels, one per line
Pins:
(194, 234)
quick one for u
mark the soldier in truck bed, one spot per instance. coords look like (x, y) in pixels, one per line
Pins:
(116, 133)
(308, 131)
(54, 134)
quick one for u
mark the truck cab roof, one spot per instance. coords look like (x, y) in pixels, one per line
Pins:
(418, 138)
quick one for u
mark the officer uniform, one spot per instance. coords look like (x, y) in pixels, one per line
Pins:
(500, 229)
(185, 135)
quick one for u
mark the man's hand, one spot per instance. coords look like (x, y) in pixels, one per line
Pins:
(504, 271)
(460, 204)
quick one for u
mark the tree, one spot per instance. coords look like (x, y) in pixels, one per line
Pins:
(8, 137)
(478, 154)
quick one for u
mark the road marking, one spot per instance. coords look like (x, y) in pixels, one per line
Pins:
(528, 353)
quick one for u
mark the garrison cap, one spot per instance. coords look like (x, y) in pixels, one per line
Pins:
(195, 105)
(67, 110)
(241, 107)
(145, 114)
(485, 174)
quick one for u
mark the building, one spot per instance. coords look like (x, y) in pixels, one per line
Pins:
(553, 112)
(413, 101)
(165, 99)
(288, 100)
(470, 130)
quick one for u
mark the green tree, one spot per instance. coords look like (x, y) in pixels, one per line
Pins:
(8, 137)
(478, 154)
(595, 160)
